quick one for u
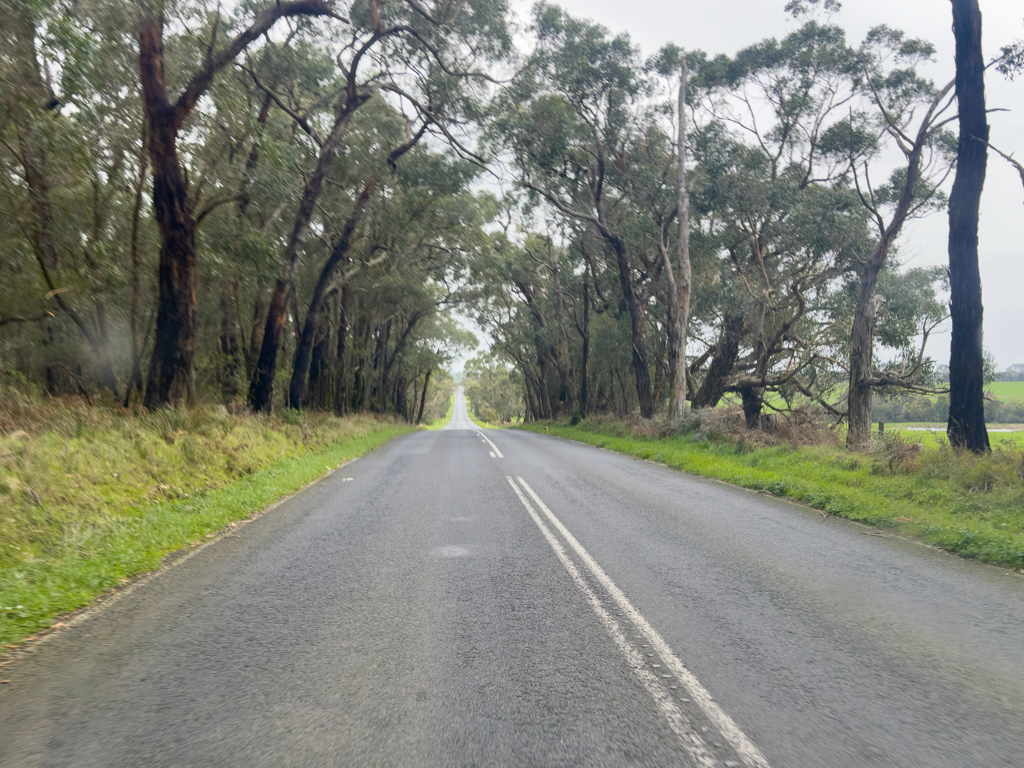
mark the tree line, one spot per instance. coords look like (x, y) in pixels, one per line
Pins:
(267, 203)
(727, 227)
(282, 204)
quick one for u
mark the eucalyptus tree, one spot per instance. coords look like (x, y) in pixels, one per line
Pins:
(430, 59)
(579, 131)
(774, 205)
(168, 105)
(67, 144)
(966, 427)
(895, 98)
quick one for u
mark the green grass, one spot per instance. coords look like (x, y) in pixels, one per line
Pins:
(80, 515)
(936, 436)
(443, 421)
(485, 424)
(1010, 391)
(970, 505)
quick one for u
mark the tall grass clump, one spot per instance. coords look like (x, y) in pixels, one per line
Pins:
(91, 494)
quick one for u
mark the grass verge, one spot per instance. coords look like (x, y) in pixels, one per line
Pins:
(443, 421)
(970, 505)
(80, 515)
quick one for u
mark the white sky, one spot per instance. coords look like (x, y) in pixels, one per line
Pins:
(726, 26)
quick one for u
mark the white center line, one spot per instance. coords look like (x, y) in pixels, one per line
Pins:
(490, 443)
(745, 749)
(692, 741)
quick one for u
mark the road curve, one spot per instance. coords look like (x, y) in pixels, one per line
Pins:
(482, 597)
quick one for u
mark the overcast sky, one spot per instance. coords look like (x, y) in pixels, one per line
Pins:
(726, 26)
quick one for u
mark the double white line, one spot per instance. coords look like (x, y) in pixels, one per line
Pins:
(692, 739)
(495, 451)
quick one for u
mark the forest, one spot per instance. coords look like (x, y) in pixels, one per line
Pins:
(286, 205)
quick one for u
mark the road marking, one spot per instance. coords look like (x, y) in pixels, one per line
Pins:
(492, 454)
(748, 753)
(692, 741)
(490, 443)
(103, 602)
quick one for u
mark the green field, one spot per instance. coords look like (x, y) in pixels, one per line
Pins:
(1010, 391)
(935, 437)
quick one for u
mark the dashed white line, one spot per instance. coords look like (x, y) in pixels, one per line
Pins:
(745, 749)
(490, 443)
(492, 454)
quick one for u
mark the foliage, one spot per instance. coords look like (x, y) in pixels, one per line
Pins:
(490, 387)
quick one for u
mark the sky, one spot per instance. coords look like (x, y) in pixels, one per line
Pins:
(726, 26)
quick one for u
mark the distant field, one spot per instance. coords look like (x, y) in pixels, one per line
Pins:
(1009, 391)
(934, 439)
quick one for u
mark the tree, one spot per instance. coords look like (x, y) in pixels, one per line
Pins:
(895, 97)
(966, 428)
(170, 380)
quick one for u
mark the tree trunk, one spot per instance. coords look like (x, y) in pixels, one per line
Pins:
(261, 389)
(170, 370)
(861, 385)
(423, 396)
(637, 311)
(752, 397)
(727, 350)
(680, 319)
(341, 376)
(339, 256)
(585, 368)
(320, 389)
(966, 428)
(859, 397)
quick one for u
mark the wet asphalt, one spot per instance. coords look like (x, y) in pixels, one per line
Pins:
(416, 615)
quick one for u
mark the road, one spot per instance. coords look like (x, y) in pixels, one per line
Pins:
(488, 598)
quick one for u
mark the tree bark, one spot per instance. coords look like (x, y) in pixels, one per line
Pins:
(339, 255)
(637, 311)
(423, 396)
(861, 385)
(341, 406)
(679, 320)
(170, 380)
(966, 428)
(726, 352)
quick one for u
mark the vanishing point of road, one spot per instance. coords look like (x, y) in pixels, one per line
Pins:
(471, 597)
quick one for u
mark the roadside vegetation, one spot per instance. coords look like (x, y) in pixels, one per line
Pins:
(441, 421)
(963, 502)
(91, 496)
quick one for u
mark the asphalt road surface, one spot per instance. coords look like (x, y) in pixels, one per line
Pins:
(491, 598)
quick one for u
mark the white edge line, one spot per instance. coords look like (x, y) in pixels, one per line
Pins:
(677, 721)
(172, 561)
(490, 443)
(745, 748)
